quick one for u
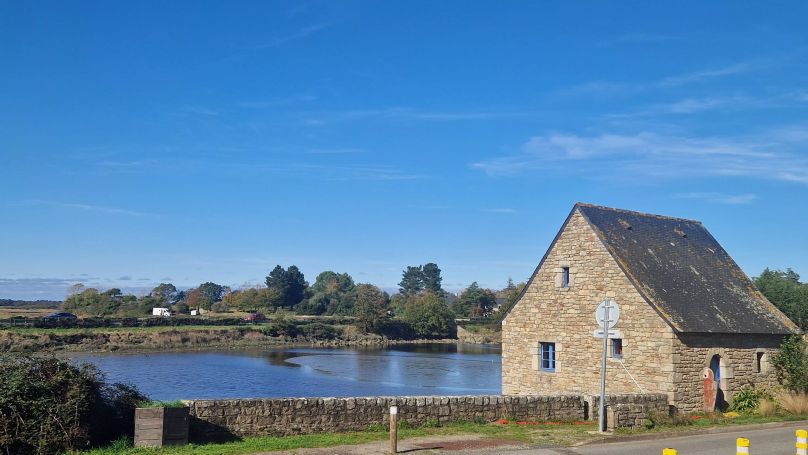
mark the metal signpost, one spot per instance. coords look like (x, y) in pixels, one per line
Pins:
(607, 314)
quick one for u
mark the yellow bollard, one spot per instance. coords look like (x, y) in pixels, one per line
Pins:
(668, 451)
(741, 446)
(802, 442)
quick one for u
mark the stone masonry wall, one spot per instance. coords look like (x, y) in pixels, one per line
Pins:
(565, 316)
(221, 419)
(693, 352)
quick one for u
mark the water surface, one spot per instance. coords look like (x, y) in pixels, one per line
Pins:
(425, 369)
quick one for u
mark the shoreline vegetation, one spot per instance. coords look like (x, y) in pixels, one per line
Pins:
(180, 338)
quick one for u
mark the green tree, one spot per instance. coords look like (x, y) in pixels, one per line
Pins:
(510, 294)
(210, 293)
(412, 281)
(787, 293)
(429, 316)
(165, 292)
(290, 284)
(791, 364)
(91, 302)
(332, 294)
(430, 276)
(475, 302)
(370, 308)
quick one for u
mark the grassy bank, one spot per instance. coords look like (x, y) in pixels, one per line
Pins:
(106, 339)
(549, 434)
(561, 435)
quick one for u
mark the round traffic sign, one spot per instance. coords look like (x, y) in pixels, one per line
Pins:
(613, 314)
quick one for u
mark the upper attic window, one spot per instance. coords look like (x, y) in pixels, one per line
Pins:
(563, 276)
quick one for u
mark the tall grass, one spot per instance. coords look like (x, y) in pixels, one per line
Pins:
(795, 403)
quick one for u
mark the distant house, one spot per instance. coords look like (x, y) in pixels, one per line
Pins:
(687, 310)
(161, 312)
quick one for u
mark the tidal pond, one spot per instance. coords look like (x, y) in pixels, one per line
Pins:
(413, 369)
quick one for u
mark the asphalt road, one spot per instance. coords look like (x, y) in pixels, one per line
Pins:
(769, 441)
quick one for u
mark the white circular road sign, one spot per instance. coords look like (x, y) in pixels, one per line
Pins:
(613, 312)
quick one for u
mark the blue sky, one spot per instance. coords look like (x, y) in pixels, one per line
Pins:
(191, 141)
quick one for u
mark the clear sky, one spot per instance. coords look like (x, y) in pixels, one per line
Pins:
(189, 141)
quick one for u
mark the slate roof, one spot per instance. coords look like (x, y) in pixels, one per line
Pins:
(684, 273)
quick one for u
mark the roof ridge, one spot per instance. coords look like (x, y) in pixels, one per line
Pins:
(634, 212)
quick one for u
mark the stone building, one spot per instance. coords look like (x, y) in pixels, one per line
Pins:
(685, 306)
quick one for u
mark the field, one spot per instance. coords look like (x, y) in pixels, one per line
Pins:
(13, 311)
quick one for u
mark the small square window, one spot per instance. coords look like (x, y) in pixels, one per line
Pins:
(565, 277)
(617, 348)
(547, 361)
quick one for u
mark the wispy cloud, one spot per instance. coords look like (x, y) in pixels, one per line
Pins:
(721, 198)
(335, 151)
(678, 80)
(86, 207)
(638, 38)
(407, 113)
(271, 103)
(774, 155)
(197, 110)
(300, 34)
(697, 105)
(699, 76)
(500, 210)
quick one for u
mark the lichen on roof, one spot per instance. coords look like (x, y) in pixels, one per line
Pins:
(684, 273)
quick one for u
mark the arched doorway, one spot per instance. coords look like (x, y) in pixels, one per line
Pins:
(716, 365)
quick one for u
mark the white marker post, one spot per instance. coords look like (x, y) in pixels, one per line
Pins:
(607, 314)
(393, 429)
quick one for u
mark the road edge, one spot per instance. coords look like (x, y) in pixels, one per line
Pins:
(672, 434)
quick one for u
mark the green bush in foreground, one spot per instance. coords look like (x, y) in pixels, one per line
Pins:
(49, 406)
(748, 399)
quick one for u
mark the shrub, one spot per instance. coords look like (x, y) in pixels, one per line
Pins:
(748, 399)
(49, 406)
(283, 326)
(791, 364)
(795, 403)
(396, 329)
(320, 331)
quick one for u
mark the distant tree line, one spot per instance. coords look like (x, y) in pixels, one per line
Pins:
(31, 303)
(787, 293)
(421, 308)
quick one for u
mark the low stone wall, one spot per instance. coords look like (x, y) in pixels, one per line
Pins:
(223, 419)
(649, 402)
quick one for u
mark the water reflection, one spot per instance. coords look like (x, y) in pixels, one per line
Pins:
(432, 369)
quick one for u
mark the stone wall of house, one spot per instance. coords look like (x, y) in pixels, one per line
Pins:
(739, 365)
(222, 419)
(548, 312)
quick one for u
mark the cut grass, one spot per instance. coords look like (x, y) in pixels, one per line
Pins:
(561, 435)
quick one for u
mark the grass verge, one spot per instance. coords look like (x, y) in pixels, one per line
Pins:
(562, 435)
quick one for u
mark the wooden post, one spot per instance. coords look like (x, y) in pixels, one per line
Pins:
(393, 429)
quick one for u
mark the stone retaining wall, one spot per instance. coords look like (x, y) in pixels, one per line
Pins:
(223, 419)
